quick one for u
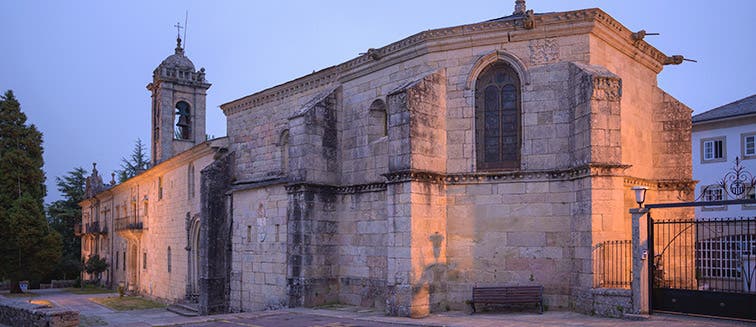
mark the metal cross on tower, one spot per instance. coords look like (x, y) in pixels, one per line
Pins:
(178, 30)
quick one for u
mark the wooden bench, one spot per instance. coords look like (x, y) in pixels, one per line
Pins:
(508, 295)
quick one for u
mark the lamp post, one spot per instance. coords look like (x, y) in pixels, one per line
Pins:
(640, 195)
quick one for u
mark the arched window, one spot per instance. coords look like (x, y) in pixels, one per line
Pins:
(169, 259)
(284, 142)
(497, 118)
(183, 121)
(377, 123)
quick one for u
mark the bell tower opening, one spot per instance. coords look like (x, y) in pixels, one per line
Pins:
(183, 119)
(178, 105)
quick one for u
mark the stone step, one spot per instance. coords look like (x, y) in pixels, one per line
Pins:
(183, 309)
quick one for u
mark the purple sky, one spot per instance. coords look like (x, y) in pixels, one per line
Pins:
(80, 68)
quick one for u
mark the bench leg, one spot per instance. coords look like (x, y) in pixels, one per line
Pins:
(472, 304)
(540, 307)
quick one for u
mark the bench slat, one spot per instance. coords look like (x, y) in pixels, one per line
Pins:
(508, 295)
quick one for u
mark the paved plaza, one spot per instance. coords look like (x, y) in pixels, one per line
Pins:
(93, 314)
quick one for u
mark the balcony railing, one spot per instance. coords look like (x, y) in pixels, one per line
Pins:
(128, 223)
(95, 228)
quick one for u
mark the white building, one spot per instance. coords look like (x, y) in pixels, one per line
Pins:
(720, 136)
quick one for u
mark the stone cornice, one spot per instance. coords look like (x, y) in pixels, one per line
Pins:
(662, 184)
(196, 152)
(415, 176)
(346, 189)
(591, 170)
(620, 37)
(477, 34)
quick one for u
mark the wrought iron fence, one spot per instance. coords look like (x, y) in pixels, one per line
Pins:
(710, 254)
(612, 264)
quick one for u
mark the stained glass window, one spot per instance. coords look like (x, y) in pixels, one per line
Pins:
(497, 118)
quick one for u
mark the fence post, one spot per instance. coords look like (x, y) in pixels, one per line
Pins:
(639, 283)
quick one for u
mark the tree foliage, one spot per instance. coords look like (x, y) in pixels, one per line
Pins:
(63, 215)
(96, 265)
(29, 248)
(136, 163)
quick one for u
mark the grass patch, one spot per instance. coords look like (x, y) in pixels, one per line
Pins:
(89, 289)
(127, 303)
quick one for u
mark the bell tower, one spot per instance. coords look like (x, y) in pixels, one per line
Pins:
(178, 106)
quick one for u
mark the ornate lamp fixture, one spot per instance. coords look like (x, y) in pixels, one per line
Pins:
(640, 195)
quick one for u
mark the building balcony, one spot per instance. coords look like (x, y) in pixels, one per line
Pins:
(95, 228)
(129, 227)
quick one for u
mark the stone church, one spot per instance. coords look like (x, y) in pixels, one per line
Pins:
(494, 153)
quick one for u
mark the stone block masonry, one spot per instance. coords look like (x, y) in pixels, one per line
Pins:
(393, 181)
(23, 314)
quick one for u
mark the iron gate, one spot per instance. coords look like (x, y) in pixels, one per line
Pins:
(705, 266)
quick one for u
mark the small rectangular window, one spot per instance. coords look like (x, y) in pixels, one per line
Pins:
(713, 150)
(748, 146)
(714, 193)
(144, 260)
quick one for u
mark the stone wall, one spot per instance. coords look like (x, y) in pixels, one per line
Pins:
(312, 249)
(17, 313)
(259, 245)
(215, 236)
(362, 239)
(408, 217)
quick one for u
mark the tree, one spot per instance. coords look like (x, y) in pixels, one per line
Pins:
(96, 265)
(28, 246)
(63, 215)
(138, 162)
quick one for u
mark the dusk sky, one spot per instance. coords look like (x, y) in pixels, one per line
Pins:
(79, 68)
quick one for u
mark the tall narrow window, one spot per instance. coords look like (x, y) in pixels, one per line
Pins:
(118, 255)
(284, 152)
(169, 259)
(377, 123)
(160, 188)
(144, 260)
(190, 181)
(124, 260)
(497, 118)
(183, 120)
(748, 146)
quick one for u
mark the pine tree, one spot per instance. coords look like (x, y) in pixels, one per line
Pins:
(29, 248)
(137, 163)
(63, 215)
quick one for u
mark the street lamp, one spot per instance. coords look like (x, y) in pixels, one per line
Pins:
(640, 195)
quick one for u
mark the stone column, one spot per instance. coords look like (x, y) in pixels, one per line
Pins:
(639, 284)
